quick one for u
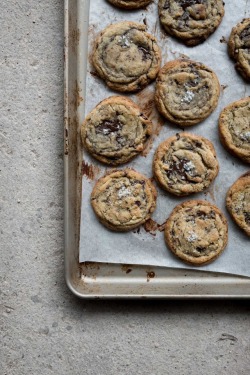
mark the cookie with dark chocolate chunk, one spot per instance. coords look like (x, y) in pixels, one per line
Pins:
(239, 47)
(187, 92)
(238, 202)
(115, 131)
(185, 164)
(130, 4)
(234, 128)
(126, 57)
(123, 199)
(192, 21)
(196, 232)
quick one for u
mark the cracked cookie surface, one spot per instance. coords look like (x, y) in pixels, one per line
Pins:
(123, 199)
(115, 131)
(130, 4)
(234, 128)
(185, 164)
(239, 47)
(187, 92)
(126, 57)
(196, 232)
(238, 202)
(192, 21)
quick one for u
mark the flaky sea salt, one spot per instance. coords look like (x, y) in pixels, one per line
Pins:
(192, 237)
(123, 192)
(188, 97)
(245, 136)
(125, 42)
(189, 166)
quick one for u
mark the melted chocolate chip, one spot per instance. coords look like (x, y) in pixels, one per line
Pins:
(109, 126)
(188, 3)
(167, 4)
(202, 215)
(200, 249)
(145, 53)
(178, 168)
(245, 34)
(138, 203)
(247, 217)
(198, 144)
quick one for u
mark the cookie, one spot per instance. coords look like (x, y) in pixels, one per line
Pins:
(115, 131)
(234, 128)
(130, 4)
(123, 199)
(187, 92)
(196, 232)
(126, 57)
(238, 202)
(192, 21)
(239, 47)
(185, 164)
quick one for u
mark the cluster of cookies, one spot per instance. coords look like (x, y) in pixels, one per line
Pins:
(128, 58)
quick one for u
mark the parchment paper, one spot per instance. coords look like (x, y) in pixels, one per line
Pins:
(97, 243)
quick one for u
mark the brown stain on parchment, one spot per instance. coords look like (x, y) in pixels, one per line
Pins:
(152, 227)
(223, 87)
(211, 193)
(146, 102)
(89, 170)
(93, 34)
(223, 40)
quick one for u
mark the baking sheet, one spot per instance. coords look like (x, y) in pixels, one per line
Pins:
(146, 245)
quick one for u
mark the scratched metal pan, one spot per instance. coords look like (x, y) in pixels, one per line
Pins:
(96, 280)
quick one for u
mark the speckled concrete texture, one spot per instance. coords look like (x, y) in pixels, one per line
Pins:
(44, 328)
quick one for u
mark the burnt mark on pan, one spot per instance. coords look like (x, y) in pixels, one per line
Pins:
(126, 268)
(150, 275)
(74, 39)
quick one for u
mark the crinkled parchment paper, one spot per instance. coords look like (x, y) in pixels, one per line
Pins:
(146, 245)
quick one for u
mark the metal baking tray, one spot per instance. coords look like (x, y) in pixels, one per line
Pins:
(98, 280)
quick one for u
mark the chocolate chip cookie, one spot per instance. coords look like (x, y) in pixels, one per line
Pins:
(123, 199)
(185, 164)
(239, 47)
(130, 4)
(126, 57)
(234, 128)
(238, 202)
(196, 232)
(187, 92)
(192, 21)
(115, 131)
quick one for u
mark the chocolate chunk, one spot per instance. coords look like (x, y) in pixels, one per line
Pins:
(247, 217)
(167, 4)
(145, 53)
(245, 34)
(109, 126)
(138, 203)
(178, 168)
(188, 3)
(200, 249)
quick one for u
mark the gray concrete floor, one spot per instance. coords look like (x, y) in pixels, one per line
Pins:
(45, 329)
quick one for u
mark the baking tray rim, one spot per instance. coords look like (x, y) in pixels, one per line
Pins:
(76, 280)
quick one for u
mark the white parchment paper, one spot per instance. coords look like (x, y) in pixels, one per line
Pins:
(97, 243)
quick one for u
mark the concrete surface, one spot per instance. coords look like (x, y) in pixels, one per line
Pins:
(45, 329)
